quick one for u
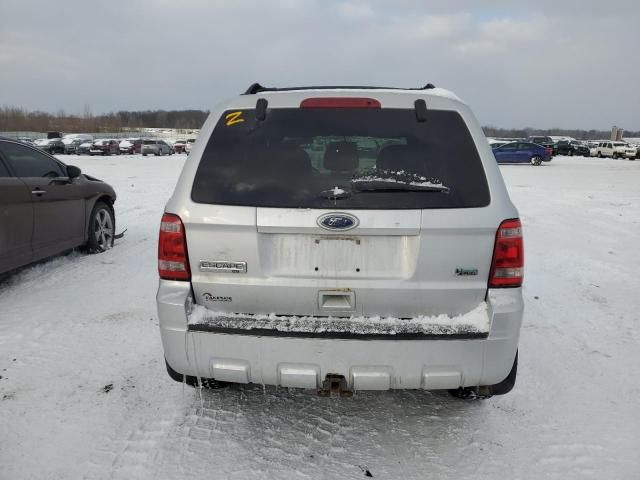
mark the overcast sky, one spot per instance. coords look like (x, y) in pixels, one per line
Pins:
(543, 63)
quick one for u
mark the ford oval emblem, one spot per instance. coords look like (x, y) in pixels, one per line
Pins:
(338, 221)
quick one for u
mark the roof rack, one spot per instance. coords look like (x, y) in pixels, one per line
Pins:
(257, 88)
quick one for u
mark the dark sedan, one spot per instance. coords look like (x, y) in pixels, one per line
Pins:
(565, 147)
(72, 146)
(50, 145)
(522, 152)
(48, 207)
(544, 141)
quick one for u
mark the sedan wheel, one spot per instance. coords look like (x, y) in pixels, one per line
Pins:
(536, 160)
(101, 228)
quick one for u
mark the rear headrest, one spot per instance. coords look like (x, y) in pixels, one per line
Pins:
(341, 156)
(401, 157)
(290, 158)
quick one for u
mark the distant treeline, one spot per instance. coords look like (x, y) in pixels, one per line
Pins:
(527, 132)
(14, 119)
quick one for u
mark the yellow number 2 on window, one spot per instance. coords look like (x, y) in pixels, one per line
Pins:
(233, 118)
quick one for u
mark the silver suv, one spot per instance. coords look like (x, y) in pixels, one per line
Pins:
(156, 147)
(342, 239)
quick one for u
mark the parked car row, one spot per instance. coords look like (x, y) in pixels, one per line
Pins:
(514, 151)
(84, 144)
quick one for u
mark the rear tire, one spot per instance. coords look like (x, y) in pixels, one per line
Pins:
(536, 160)
(571, 153)
(192, 381)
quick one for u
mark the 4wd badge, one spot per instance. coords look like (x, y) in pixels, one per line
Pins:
(466, 272)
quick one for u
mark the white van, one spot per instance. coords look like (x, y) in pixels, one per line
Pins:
(615, 150)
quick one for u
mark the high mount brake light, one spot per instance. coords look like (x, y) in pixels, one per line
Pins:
(340, 102)
(507, 266)
(173, 260)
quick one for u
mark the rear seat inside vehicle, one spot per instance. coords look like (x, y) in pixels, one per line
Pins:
(341, 157)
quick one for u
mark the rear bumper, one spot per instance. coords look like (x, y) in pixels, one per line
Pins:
(367, 364)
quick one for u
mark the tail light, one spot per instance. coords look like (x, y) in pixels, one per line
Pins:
(507, 267)
(173, 261)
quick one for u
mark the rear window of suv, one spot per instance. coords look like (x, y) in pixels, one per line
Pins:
(341, 158)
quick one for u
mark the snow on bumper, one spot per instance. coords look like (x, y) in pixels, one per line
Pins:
(475, 352)
(471, 325)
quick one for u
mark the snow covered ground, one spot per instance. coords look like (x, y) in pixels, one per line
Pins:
(84, 393)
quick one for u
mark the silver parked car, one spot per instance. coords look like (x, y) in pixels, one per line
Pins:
(342, 239)
(156, 147)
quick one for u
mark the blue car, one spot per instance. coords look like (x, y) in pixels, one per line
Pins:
(522, 152)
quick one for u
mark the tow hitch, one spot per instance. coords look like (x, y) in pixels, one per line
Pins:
(334, 386)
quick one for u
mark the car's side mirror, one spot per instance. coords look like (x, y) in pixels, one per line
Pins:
(73, 171)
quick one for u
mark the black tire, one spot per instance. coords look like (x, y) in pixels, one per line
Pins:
(502, 388)
(536, 160)
(599, 154)
(193, 381)
(571, 153)
(101, 231)
(144, 154)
